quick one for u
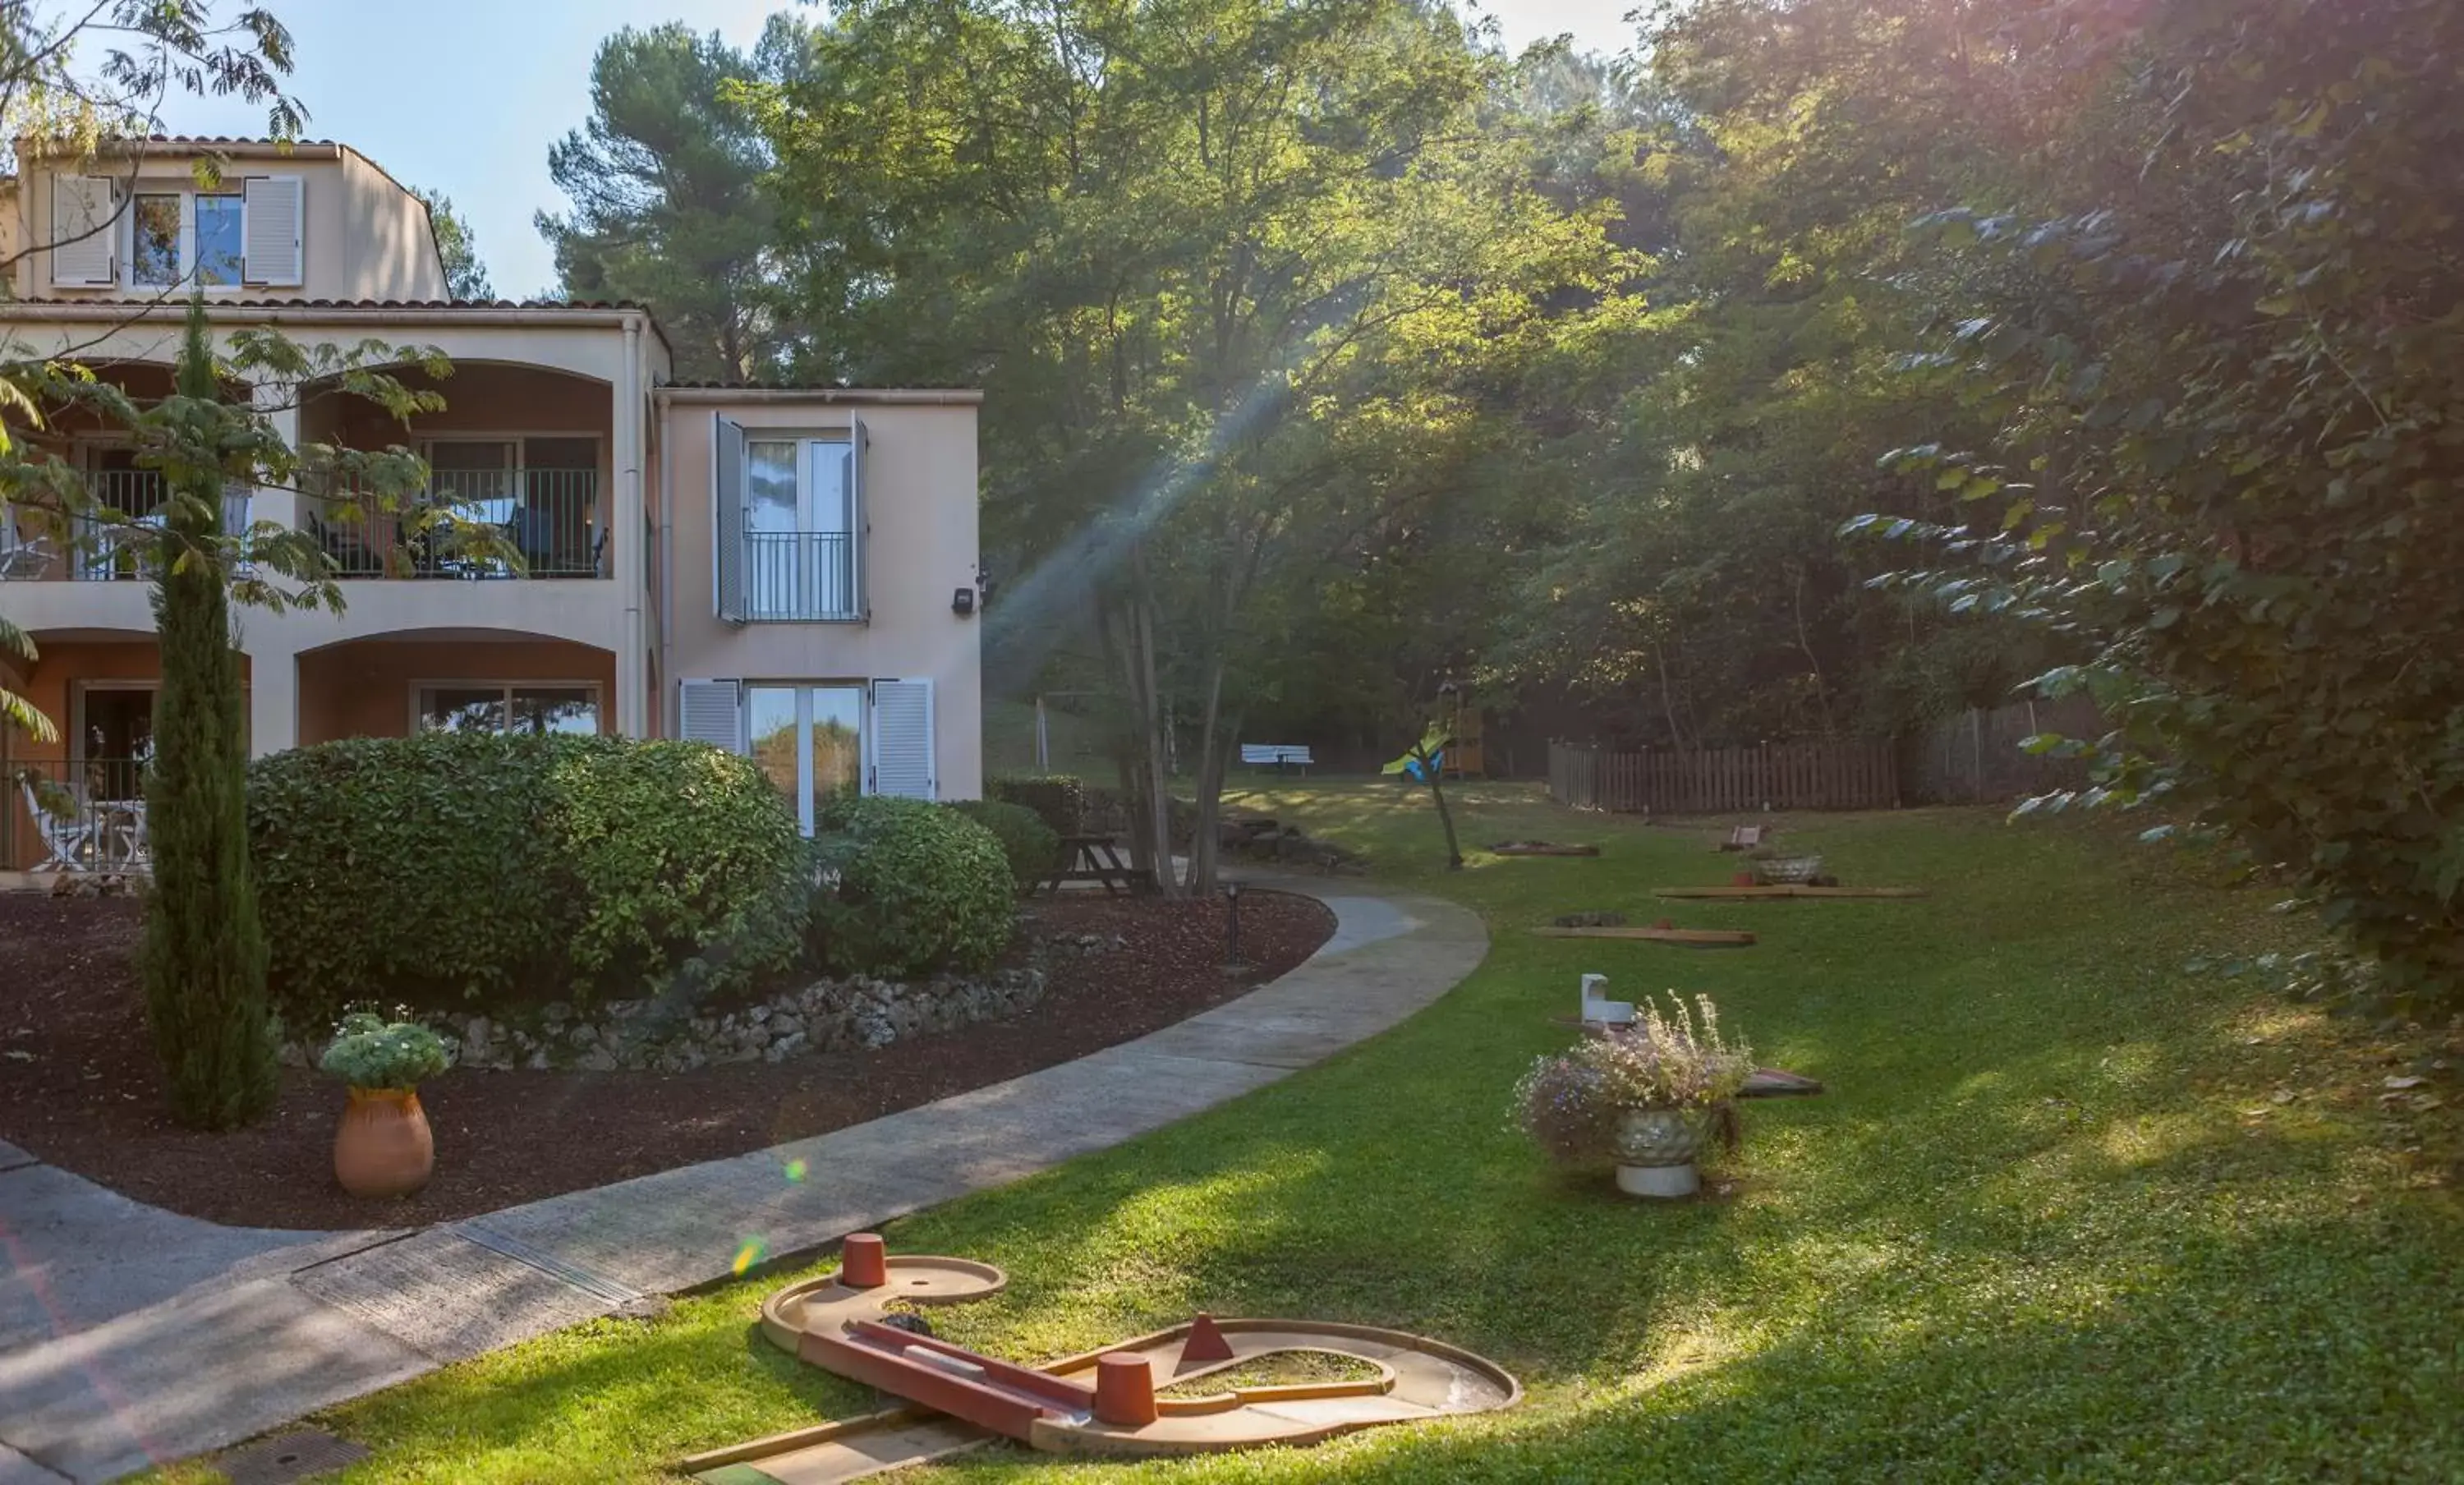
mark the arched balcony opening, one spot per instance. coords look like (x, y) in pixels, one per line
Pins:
(522, 453)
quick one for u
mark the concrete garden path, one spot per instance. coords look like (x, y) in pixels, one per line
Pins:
(129, 1336)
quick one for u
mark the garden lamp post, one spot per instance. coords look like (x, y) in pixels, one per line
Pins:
(1232, 925)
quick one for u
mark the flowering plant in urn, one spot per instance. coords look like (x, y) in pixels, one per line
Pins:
(1674, 1060)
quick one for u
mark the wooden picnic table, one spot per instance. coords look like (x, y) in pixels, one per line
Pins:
(1095, 858)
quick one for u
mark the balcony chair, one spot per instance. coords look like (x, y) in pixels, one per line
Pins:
(67, 839)
(29, 557)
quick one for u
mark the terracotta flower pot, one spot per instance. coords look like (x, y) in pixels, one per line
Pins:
(384, 1146)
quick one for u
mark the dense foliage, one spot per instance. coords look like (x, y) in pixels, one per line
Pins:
(908, 888)
(1031, 847)
(1332, 354)
(203, 960)
(2217, 346)
(450, 868)
(1058, 799)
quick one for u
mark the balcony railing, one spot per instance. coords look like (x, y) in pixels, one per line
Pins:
(107, 548)
(549, 517)
(798, 575)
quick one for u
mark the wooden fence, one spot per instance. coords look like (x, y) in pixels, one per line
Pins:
(1860, 775)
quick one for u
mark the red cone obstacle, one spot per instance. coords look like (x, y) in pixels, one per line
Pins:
(1205, 1343)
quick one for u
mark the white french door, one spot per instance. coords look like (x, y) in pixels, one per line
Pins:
(809, 740)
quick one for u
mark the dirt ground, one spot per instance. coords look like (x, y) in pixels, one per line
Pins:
(79, 1086)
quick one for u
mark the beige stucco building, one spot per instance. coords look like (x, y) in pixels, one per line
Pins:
(786, 572)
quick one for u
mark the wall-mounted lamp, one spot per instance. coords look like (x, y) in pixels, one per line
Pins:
(962, 602)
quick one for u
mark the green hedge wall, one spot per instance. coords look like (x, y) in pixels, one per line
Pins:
(1060, 799)
(1031, 847)
(908, 888)
(454, 867)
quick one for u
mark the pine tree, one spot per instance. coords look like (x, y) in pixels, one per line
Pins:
(204, 956)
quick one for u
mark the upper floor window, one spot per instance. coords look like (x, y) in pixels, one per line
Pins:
(159, 237)
(175, 237)
(790, 524)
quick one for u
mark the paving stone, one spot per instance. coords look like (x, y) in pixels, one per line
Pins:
(449, 1298)
(16, 1468)
(181, 1377)
(13, 1156)
(79, 1254)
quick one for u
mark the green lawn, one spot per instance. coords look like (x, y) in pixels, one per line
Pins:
(2066, 1212)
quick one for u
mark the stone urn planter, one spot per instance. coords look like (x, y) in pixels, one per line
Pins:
(384, 1147)
(1642, 1090)
(1655, 1152)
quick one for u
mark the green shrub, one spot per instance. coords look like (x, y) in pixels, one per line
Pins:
(907, 888)
(369, 1053)
(1058, 798)
(1031, 847)
(473, 867)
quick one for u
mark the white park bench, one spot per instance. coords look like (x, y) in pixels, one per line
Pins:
(1276, 756)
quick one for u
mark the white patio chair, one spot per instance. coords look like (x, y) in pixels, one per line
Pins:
(66, 840)
(27, 558)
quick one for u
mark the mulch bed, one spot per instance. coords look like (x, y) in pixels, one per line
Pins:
(79, 1086)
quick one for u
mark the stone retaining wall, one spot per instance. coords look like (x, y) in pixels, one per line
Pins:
(854, 1014)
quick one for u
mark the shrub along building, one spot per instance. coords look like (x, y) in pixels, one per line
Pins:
(786, 572)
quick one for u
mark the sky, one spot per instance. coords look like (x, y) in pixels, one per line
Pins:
(468, 100)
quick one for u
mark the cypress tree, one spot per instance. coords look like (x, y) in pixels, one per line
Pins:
(204, 956)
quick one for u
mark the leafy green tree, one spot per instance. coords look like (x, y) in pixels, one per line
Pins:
(2220, 362)
(1242, 281)
(15, 711)
(466, 276)
(203, 960)
(670, 198)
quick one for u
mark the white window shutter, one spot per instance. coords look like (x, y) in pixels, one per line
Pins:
(85, 240)
(271, 228)
(727, 518)
(902, 740)
(859, 518)
(711, 711)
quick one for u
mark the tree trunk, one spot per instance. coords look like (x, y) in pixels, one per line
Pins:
(1205, 848)
(1158, 772)
(1446, 817)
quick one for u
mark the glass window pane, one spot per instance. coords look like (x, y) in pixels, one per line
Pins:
(462, 709)
(833, 468)
(154, 256)
(770, 487)
(555, 709)
(219, 242)
(773, 730)
(838, 743)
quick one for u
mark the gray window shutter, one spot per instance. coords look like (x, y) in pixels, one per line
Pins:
(270, 228)
(727, 512)
(711, 711)
(902, 740)
(859, 519)
(85, 240)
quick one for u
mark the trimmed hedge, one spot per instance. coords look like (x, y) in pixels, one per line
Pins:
(1031, 847)
(1058, 798)
(460, 867)
(908, 888)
